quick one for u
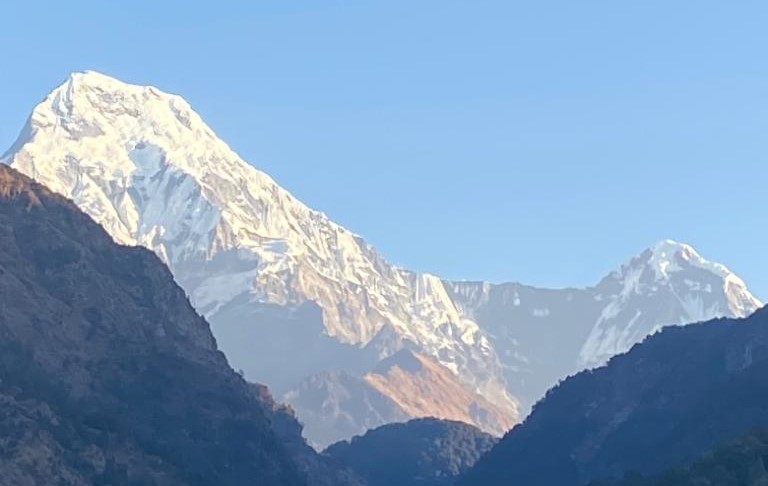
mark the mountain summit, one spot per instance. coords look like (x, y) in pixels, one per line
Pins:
(692, 289)
(543, 335)
(145, 166)
(291, 294)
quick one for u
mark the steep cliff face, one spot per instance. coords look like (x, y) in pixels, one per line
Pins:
(107, 374)
(662, 404)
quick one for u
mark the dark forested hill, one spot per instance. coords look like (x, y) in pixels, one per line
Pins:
(423, 452)
(108, 376)
(661, 405)
(740, 462)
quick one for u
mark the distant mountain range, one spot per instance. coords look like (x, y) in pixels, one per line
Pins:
(544, 335)
(308, 307)
(665, 403)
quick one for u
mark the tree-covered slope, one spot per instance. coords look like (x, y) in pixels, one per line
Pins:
(664, 403)
(740, 462)
(422, 452)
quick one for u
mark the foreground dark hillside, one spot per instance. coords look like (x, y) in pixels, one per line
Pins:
(108, 376)
(661, 405)
(740, 462)
(422, 452)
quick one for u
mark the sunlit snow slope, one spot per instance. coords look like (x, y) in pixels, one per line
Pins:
(291, 294)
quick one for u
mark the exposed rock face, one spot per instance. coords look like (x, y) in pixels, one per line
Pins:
(424, 452)
(421, 387)
(664, 403)
(404, 386)
(107, 374)
(339, 405)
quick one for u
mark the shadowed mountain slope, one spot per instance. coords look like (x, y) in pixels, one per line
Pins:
(662, 404)
(422, 452)
(107, 374)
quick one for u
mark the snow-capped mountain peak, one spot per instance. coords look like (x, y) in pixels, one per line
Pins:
(147, 167)
(684, 286)
(543, 335)
(290, 293)
(669, 262)
(665, 256)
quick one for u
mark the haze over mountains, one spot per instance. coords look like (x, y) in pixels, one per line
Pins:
(312, 309)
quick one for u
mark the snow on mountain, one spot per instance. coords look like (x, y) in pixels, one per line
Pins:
(291, 294)
(144, 165)
(669, 283)
(544, 335)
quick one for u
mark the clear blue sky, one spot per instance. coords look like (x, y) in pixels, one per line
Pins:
(536, 141)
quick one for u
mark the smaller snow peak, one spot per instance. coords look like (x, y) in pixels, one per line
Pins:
(667, 257)
(686, 288)
(671, 264)
(674, 247)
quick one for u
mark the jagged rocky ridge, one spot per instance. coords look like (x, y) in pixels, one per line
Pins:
(273, 276)
(107, 374)
(663, 404)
